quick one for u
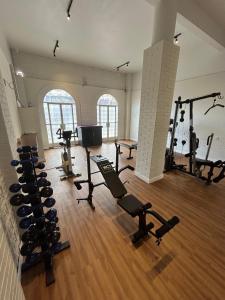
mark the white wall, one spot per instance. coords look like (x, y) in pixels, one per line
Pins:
(10, 287)
(213, 122)
(85, 84)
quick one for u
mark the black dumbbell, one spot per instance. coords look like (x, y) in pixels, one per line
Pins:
(43, 182)
(175, 142)
(27, 248)
(51, 215)
(17, 200)
(46, 192)
(30, 188)
(40, 166)
(183, 142)
(26, 222)
(15, 187)
(24, 211)
(50, 226)
(19, 170)
(42, 175)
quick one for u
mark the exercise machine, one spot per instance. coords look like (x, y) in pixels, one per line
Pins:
(130, 147)
(129, 203)
(196, 165)
(89, 182)
(66, 158)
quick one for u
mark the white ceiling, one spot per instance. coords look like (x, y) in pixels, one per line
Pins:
(103, 33)
(214, 8)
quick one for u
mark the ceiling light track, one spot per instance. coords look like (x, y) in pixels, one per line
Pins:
(55, 48)
(68, 9)
(125, 64)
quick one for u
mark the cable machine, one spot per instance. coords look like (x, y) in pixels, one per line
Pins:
(194, 163)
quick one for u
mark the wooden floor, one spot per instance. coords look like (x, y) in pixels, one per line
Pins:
(103, 264)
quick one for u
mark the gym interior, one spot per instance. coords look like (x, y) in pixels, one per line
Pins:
(112, 149)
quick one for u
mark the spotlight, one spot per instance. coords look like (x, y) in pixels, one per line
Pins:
(20, 73)
(68, 9)
(56, 46)
(176, 41)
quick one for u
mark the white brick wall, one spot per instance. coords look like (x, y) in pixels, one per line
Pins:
(158, 80)
(10, 287)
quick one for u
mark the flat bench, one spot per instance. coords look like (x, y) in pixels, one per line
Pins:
(130, 147)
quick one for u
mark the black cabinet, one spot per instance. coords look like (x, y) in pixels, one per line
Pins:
(90, 135)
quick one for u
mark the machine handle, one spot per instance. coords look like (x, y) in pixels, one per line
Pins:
(167, 227)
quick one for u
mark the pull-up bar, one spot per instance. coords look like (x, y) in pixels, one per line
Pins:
(187, 101)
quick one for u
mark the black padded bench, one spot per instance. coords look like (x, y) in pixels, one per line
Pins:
(130, 147)
(132, 205)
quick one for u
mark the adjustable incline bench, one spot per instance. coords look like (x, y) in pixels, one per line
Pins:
(132, 205)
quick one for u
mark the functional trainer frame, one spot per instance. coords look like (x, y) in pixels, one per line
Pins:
(195, 164)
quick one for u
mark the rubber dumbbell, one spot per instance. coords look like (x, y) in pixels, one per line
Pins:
(33, 199)
(20, 170)
(51, 214)
(17, 200)
(49, 202)
(34, 148)
(26, 222)
(27, 248)
(183, 142)
(30, 188)
(15, 163)
(15, 187)
(43, 182)
(46, 192)
(42, 175)
(175, 142)
(24, 211)
(40, 166)
(182, 116)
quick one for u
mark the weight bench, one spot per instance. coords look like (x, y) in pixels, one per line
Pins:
(130, 147)
(132, 205)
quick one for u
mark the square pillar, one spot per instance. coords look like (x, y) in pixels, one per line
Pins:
(158, 82)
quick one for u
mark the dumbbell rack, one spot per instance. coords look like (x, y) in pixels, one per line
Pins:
(41, 230)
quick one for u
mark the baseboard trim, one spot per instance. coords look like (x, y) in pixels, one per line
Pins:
(149, 180)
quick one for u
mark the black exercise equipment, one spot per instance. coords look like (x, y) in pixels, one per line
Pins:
(130, 147)
(66, 158)
(196, 166)
(41, 231)
(215, 105)
(129, 203)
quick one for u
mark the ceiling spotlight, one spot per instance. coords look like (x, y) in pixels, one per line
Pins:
(56, 46)
(176, 38)
(20, 73)
(68, 9)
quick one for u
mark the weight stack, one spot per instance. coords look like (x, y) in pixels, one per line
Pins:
(33, 197)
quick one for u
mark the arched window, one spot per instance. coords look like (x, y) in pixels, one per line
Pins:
(107, 116)
(59, 109)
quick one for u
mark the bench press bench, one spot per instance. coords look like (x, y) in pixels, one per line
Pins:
(133, 206)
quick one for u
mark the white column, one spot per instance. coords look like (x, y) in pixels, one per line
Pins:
(158, 81)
